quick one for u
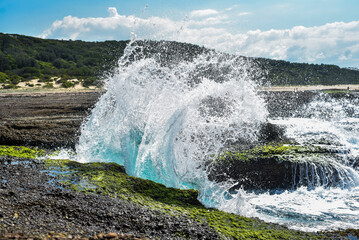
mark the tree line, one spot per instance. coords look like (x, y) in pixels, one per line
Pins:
(23, 58)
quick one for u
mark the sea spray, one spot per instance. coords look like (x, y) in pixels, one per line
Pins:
(330, 198)
(169, 107)
(163, 119)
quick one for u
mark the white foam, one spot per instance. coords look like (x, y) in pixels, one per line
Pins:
(162, 121)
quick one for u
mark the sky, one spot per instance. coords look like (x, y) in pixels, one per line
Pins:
(313, 31)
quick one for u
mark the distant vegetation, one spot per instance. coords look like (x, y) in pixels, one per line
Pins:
(23, 58)
(286, 73)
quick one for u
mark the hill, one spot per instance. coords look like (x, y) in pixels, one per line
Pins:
(23, 58)
(287, 73)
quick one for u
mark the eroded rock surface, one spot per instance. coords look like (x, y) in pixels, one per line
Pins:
(33, 202)
(275, 167)
(44, 119)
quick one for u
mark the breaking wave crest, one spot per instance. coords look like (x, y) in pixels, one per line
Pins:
(170, 107)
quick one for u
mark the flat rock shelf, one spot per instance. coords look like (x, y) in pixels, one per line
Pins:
(48, 119)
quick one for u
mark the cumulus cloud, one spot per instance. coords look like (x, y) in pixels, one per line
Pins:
(221, 19)
(331, 43)
(115, 26)
(244, 13)
(203, 13)
(232, 7)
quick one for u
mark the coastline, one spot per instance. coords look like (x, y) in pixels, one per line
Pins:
(47, 91)
(300, 88)
(51, 119)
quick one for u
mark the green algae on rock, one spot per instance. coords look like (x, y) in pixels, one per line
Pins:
(111, 180)
(280, 151)
(277, 166)
(21, 152)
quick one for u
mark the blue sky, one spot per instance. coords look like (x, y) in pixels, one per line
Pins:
(319, 31)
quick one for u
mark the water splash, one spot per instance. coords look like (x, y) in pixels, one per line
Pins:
(162, 116)
(170, 107)
(330, 199)
(309, 210)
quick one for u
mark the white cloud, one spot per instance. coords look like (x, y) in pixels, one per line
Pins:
(244, 13)
(112, 11)
(203, 13)
(232, 7)
(221, 19)
(332, 43)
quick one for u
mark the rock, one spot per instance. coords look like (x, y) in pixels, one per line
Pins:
(44, 119)
(277, 167)
(271, 133)
(50, 208)
(110, 235)
(284, 104)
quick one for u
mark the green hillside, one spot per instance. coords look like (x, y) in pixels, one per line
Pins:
(23, 58)
(286, 73)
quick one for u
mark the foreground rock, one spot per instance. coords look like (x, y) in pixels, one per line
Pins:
(62, 199)
(32, 202)
(65, 236)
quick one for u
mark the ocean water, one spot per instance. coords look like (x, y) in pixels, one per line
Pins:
(164, 115)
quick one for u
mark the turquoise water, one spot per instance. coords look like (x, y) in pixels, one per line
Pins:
(163, 119)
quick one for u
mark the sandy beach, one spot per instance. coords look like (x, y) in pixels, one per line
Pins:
(80, 88)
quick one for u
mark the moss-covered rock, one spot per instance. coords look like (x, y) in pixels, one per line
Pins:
(21, 152)
(276, 166)
(110, 179)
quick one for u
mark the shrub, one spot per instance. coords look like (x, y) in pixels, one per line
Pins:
(10, 86)
(3, 77)
(15, 79)
(92, 81)
(67, 84)
(49, 85)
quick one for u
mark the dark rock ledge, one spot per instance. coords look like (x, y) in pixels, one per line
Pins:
(48, 119)
(34, 202)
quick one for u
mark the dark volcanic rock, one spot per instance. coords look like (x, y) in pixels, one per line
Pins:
(44, 119)
(286, 103)
(32, 202)
(277, 167)
(271, 133)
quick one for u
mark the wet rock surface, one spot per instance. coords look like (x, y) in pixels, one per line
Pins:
(284, 104)
(275, 173)
(32, 202)
(53, 119)
(288, 104)
(44, 119)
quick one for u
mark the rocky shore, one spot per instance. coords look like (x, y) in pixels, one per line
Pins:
(61, 199)
(47, 119)
(53, 119)
(33, 202)
(42, 199)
